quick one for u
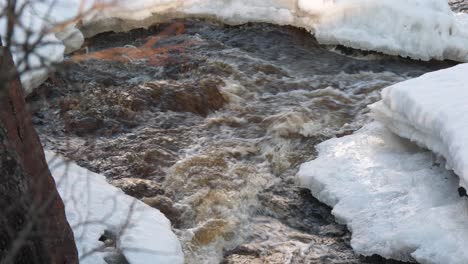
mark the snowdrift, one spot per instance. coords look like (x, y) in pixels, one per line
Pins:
(432, 111)
(420, 29)
(93, 206)
(394, 200)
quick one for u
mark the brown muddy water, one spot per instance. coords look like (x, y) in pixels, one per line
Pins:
(209, 123)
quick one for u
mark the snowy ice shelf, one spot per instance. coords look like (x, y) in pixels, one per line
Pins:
(421, 29)
(394, 200)
(432, 111)
(92, 206)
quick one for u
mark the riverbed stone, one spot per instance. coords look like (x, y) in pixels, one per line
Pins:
(166, 206)
(199, 98)
(138, 188)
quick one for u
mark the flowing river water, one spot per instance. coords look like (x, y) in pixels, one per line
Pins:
(209, 123)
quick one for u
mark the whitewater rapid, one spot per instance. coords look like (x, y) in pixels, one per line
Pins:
(221, 125)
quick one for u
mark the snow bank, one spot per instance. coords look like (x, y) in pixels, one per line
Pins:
(396, 203)
(36, 26)
(432, 111)
(93, 206)
(45, 54)
(421, 29)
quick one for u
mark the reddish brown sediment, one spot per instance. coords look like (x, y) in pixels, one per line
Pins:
(156, 56)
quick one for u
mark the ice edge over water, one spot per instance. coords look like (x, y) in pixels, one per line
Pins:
(396, 203)
(420, 29)
(432, 111)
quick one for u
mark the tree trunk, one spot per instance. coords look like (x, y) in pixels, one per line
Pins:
(33, 226)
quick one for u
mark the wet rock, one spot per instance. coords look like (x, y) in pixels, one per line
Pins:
(79, 125)
(304, 238)
(246, 250)
(115, 258)
(199, 98)
(217, 68)
(243, 254)
(97, 107)
(269, 70)
(67, 104)
(138, 188)
(142, 153)
(333, 230)
(282, 199)
(108, 238)
(113, 254)
(376, 259)
(239, 258)
(166, 206)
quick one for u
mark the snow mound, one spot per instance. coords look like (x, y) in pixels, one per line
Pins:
(432, 111)
(396, 203)
(93, 206)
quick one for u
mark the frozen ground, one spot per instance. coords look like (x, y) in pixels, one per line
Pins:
(415, 28)
(396, 202)
(94, 207)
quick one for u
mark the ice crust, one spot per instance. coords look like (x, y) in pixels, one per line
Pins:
(92, 206)
(420, 29)
(432, 111)
(396, 202)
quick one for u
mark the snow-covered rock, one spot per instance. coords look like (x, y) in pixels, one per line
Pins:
(93, 206)
(432, 111)
(393, 199)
